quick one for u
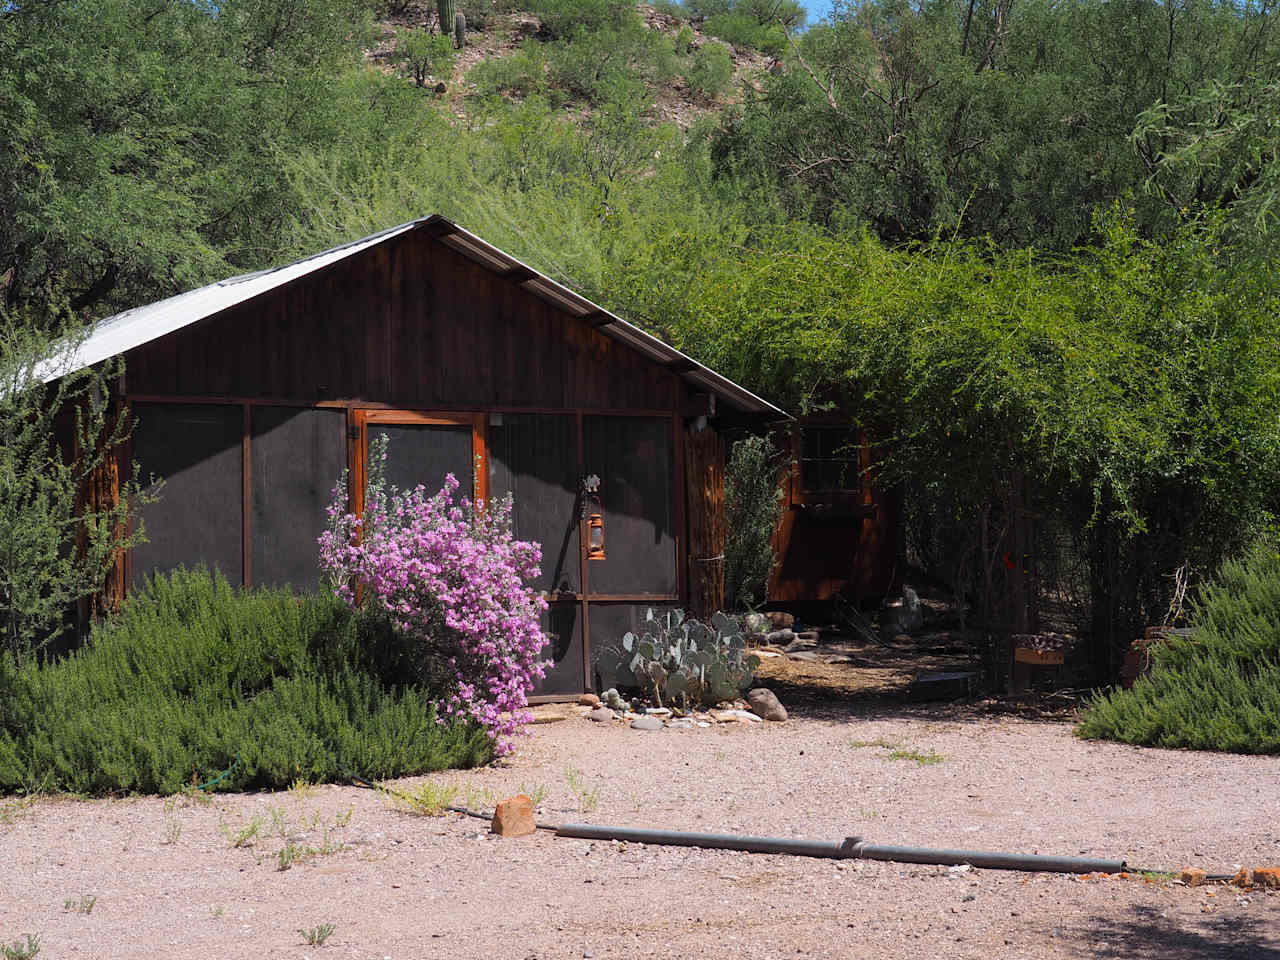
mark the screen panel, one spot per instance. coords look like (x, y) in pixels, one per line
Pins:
(633, 458)
(563, 622)
(198, 519)
(423, 453)
(609, 621)
(534, 457)
(297, 456)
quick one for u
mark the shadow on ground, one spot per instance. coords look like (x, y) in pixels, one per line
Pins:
(873, 680)
(1146, 935)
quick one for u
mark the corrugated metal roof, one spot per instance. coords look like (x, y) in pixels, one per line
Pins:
(133, 328)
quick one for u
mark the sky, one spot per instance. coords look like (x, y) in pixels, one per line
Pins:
(817, 9)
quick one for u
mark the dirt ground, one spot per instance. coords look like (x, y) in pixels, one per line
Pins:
(169, 880)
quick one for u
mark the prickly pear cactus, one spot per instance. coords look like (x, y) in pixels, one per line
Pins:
(672, 659)
(448, 10)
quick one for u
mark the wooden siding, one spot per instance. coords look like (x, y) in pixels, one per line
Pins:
(410, 324)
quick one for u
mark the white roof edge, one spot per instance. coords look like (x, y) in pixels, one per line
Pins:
(132, 328)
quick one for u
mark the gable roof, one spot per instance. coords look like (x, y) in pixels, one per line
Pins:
(133, 328)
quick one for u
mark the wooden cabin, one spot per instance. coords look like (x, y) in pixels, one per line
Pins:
(252, 395)
(839, 530)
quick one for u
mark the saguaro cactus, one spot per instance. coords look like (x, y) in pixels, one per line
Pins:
(460, 30)
(447, 9)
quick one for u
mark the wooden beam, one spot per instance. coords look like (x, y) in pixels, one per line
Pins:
(519, 274)
(600, 318)
(440, 228)
(681, 365)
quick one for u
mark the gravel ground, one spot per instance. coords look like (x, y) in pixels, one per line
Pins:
(169, 881)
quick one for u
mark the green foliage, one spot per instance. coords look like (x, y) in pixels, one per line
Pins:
(143, 144)
(677, 657)
(54, 550)
(613, 62)
(1136, 386)
(195, 678)
(1219, 688)
(570, 18)
(991, 118)
(710, 71)
(522, 73)
(752, 508)
(425, 55)
(743, 30)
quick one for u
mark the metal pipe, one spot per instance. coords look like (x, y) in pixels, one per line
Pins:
(987, 859)
(714, 841)
(852, 848)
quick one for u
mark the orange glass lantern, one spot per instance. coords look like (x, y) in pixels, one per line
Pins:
(595, 537)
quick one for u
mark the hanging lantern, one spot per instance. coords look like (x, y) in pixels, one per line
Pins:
(595, 537)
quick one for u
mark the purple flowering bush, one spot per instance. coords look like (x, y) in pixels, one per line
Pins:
(450, 577)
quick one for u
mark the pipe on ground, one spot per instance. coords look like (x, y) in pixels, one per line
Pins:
(852, 848)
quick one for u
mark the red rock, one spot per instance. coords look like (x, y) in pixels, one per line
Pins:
(1243, 879)
(514, 817)
(589, 700)
(1192, 876)
(1267, 877)
(780, 620)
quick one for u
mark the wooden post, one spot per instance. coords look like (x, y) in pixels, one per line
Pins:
(704, 476)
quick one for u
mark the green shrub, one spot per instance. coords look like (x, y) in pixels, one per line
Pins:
(743, 30)
(752, 507)
(522, 73)
(568, 18)
(710, 70)
(425, 55)
(613, 62)
(195, 678)
(1219, 688)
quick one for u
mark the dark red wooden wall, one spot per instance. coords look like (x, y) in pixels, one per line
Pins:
(408, 323)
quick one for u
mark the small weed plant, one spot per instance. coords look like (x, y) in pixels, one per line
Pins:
(536, 794)
(588, 797)
(899, 751)
(21, 949)
(243, 834)
(428, 799)
(920, 758)
(81, 904)
(316, 936)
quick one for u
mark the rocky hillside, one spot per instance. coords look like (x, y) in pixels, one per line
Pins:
(516, 54)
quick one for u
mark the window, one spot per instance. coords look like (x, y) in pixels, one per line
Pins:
(830, 459)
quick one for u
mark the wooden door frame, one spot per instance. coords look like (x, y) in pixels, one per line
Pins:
(359, 419)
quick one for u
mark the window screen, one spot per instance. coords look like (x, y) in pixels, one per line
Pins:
(198, 519)
(632, 456)
(296, 456)
(534, 457)
(422, 453)
(562, 623)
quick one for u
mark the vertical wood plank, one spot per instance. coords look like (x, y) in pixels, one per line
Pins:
(246, 493)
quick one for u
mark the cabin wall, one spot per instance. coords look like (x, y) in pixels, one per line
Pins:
(251, 414)
(410, 323)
